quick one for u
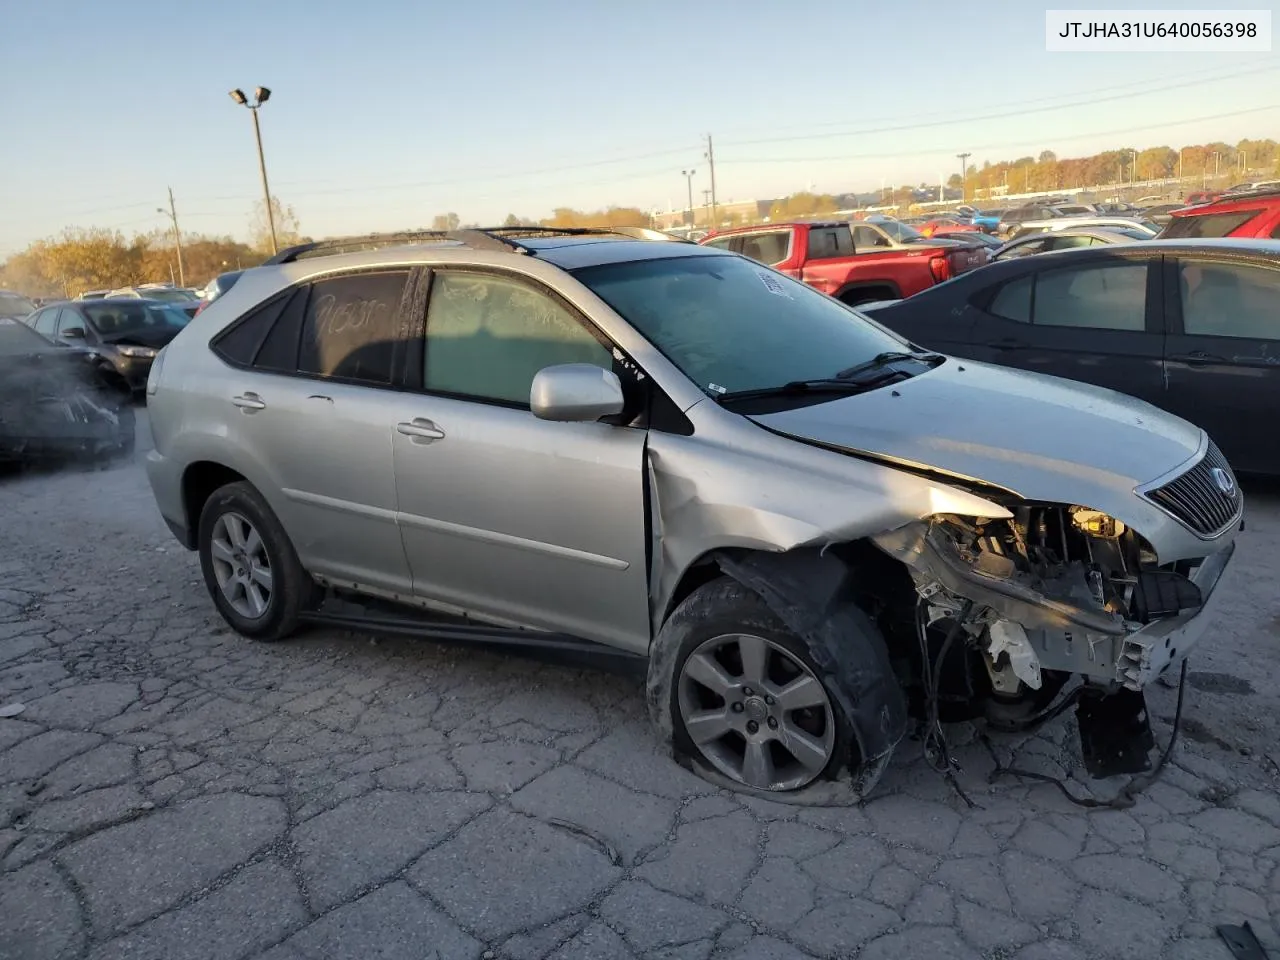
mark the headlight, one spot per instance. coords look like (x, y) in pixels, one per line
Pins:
(138, 351)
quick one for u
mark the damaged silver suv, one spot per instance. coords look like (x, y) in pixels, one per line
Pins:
(809, 528)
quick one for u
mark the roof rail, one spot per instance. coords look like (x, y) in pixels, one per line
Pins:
(1257, 193)
(503, 239)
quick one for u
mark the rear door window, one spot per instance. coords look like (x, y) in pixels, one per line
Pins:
(1110, 296)
(351, 327)
(826, 243)
(1208, 225)
(768, 248)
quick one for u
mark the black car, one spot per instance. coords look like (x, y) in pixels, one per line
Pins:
(126, 333)
(14, 306)
(1188, 325)
(53, 403)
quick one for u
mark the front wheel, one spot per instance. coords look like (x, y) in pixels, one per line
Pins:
(250, 567)
(735, 689)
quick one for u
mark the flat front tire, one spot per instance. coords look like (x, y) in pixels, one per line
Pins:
(734, 689)
(249, 564)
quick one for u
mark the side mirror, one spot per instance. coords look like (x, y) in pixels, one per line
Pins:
(73, 333)
(575, 392)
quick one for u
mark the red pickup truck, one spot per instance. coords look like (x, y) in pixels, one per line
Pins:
(827, 256)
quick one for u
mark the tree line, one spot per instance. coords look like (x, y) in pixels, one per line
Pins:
(81, 259)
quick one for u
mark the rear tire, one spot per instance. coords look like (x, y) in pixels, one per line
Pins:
(250, 567)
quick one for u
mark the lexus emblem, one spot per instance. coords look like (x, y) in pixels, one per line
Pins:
(1224, 481)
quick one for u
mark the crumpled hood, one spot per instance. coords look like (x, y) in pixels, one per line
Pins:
(1042, 437)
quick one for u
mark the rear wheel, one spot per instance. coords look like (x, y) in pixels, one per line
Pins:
(854, 297)
(250, 567)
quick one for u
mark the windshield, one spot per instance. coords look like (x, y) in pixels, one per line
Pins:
(900, 231)
(15, 305)
(112, 318)
(731, 325)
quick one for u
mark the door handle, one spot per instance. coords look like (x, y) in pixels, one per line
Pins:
(1196, 358)
(420, 430)
(1008, 343)
(249, 401)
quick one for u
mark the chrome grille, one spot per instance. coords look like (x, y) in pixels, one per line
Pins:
(1197, 500)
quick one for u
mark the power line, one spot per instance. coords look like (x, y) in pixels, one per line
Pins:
(1075, 94)
(951, 121)
(1008, 145)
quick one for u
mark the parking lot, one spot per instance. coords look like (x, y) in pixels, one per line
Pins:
(170, 790)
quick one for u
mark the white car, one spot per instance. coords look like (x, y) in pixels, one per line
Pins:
(1079, 223)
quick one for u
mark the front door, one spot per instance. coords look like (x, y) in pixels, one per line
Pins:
(1222, 359)
(1095, 320)
(502, 514)
(311, 401)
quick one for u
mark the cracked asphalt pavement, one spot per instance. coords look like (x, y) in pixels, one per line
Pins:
(170, 790)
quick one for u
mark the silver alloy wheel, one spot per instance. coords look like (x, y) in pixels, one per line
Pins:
(241, 565)
(756, 712)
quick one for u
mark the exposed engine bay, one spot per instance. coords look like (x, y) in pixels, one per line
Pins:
(1054, 588)
(1008, 610)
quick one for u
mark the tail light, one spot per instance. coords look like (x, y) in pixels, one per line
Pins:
(203, 304)
(940, 267)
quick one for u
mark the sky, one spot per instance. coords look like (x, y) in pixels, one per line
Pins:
(384, 113)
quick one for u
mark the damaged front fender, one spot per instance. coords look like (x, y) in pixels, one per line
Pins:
(707, 497)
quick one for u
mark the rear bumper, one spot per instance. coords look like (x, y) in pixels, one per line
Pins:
(165, 478)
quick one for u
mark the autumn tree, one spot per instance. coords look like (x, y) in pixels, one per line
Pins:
(803, 204)
(609, 217)
(445, 221)
(286, 224)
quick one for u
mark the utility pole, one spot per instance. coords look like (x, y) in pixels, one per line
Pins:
(688, 176)
(964, 172)
(711, 162)
(177, 239)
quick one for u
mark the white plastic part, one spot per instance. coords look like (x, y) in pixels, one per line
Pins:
(1009, 637)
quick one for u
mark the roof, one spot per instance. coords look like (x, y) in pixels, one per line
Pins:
(568, 248)
(122, 301)
(1231, 202)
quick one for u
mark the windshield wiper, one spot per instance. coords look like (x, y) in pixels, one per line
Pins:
(883, 359)
(801, 387)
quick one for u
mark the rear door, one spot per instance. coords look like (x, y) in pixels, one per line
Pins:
(1222, 358)
(1096, 319)
(309, 394)
(536, 522)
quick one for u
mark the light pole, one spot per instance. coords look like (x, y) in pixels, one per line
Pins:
(172, 213)
(261, 96)
(688, 176)
(964, 171)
